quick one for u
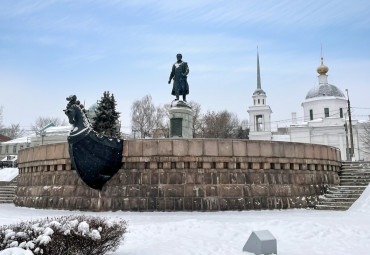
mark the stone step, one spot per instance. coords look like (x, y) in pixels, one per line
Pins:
(348, 187)
(11, 192)
(356, 178)
(355, 175)
(337, 200)
(8, 187)
(343, 191)
(342, 195)
(360, 169)
(342, 203)
(357, 183)
(6, 201)
(354, 169)
(7, 190)
(332, 208)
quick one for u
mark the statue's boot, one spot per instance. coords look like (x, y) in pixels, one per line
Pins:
(184, 98)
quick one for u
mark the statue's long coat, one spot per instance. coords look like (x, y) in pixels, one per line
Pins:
(179, 74)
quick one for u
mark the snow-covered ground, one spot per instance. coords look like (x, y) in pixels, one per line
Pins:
(8, 174)
(303, 232)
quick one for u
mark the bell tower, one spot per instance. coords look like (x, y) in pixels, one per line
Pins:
(259, 112)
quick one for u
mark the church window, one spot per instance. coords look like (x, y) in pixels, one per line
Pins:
(341, 112)
(14, 148)
(263, 101)
(258, 101)
(6, 149)
(326, 110)
(254, 101)
(311, 114)
(259, 124)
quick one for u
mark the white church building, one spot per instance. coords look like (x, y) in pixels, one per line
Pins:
(325, 118)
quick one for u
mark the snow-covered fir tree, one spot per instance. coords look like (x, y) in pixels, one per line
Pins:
(106, 120)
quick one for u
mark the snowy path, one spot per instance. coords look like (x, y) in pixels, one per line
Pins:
(297, 231)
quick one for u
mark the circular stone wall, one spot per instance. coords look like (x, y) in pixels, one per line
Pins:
(184, 175)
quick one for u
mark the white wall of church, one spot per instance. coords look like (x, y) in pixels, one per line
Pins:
(318, 104)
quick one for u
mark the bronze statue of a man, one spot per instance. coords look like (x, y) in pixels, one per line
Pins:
(179, 73)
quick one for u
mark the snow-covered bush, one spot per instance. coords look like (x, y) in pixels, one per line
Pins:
(83, 235)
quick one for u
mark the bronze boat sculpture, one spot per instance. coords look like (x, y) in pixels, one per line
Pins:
(96, 159)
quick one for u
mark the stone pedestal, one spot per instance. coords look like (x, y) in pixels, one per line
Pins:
(181, 120)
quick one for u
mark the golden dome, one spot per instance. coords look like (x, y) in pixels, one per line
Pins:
(323, 69)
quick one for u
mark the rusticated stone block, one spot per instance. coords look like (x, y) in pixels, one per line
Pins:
(125, 149)
(135, 148)
(324, 152)
(174, 191)
(195, 147)
(309, 151)
(247, 191)
(194, 191)
(300, 179)
(259, 190)
(170, 204)
(317, 151)
(150, 147)
(190, 177)
(188, 203)
(299, 150)
(224, 178)
(180, 147)
(239, 148)
(211, 191)
(175, 178)
(211, 204)
(256, 165)
(225, 148)
(152, 203)
(289, 150)
(207, 177)
(277, 149)
(231, 191)
(257, 204)
(199, 177)
(210, 148)
(266, 149)
(179, 204)
(30, 154)
(197, 204)
(236, 204)
(253, 149)
(165, 148)
(256, 178)
(207, 165)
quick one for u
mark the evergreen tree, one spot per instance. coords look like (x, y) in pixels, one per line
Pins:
(106, 120)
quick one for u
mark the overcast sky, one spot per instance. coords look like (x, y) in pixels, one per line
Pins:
(52, 49)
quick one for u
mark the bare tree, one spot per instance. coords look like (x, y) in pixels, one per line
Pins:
(14, 131)
(162, 123)
(197, 124)
(143, 116)
(41, 122)
(219, 125)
